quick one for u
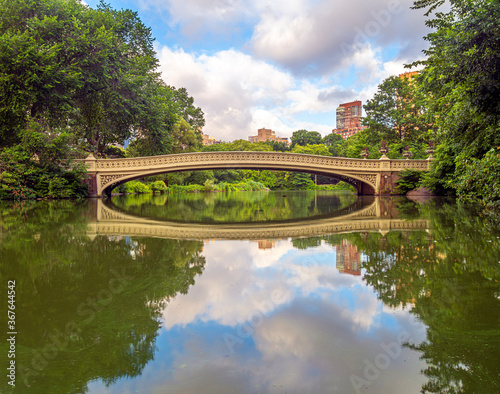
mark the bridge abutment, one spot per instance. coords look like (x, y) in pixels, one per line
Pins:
(91, 181)
(388, 182)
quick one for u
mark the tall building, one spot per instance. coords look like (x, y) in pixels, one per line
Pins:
(266, 135)
(348, 258)
(349, 119)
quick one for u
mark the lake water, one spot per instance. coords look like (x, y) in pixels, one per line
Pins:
(250, 292)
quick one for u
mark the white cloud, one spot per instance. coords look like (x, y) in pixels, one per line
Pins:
(309, 37)
(317, 40)
(257, 280)
(303, 59)
(197, 18)
(240, 94)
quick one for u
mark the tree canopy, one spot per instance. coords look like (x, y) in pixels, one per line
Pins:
(90, 71)
(397, 112)
(88, 77)
(304, 137)
(461, 78)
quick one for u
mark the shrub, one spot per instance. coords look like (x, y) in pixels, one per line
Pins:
(338, 186)
(209, 185)
(58, 188)
(11, 188)
(223, 186)
(158, 186)
(134, 187)
(408, 180)
(480, 181)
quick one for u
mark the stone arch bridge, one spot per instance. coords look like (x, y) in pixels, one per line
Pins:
(373, 177)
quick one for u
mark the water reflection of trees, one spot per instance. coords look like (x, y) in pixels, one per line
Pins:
(64, 278)
(233, 206)
(449, 278)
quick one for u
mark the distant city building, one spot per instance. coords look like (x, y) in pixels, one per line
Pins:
(209, 140)
(410, 75)
(349, 119)
(266, 135)
(266, 244)
(348, 258)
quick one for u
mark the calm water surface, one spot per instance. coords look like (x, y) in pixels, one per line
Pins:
(251, 292)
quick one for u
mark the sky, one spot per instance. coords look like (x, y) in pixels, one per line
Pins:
(283, 65)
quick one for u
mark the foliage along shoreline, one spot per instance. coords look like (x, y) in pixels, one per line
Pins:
(137, 187)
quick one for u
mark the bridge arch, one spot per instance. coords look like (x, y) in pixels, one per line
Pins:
(361, 185)
(368, 176)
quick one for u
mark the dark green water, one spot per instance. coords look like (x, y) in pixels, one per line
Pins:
(277, 292)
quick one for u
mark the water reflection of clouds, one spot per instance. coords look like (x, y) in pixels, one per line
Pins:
(239, 278)
(321, 329)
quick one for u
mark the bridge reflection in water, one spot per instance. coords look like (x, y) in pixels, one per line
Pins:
(373, 214)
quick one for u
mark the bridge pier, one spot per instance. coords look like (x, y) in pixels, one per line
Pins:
(387, 182)
(91, 180)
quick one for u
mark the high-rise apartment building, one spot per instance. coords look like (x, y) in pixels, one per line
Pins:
(348, 258)
(349, 119)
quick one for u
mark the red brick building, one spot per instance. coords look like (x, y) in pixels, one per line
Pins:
(349, 119)
(348, 258)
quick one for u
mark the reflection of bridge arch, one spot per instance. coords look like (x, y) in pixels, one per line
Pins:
(372, 218)
(368, 176)
(359, 204)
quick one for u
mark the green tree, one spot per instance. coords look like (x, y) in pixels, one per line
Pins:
(397, 112)
(319, 149)
(244, 145)
(335, 144)
(91, 72)
(185, 139)
(40, 165)
(200, 177)
(86, 69)
(304, 137)
(279, 146)
(44, 85)
(298, 181)
(185, 108)
(154, 132)
(461, 75)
